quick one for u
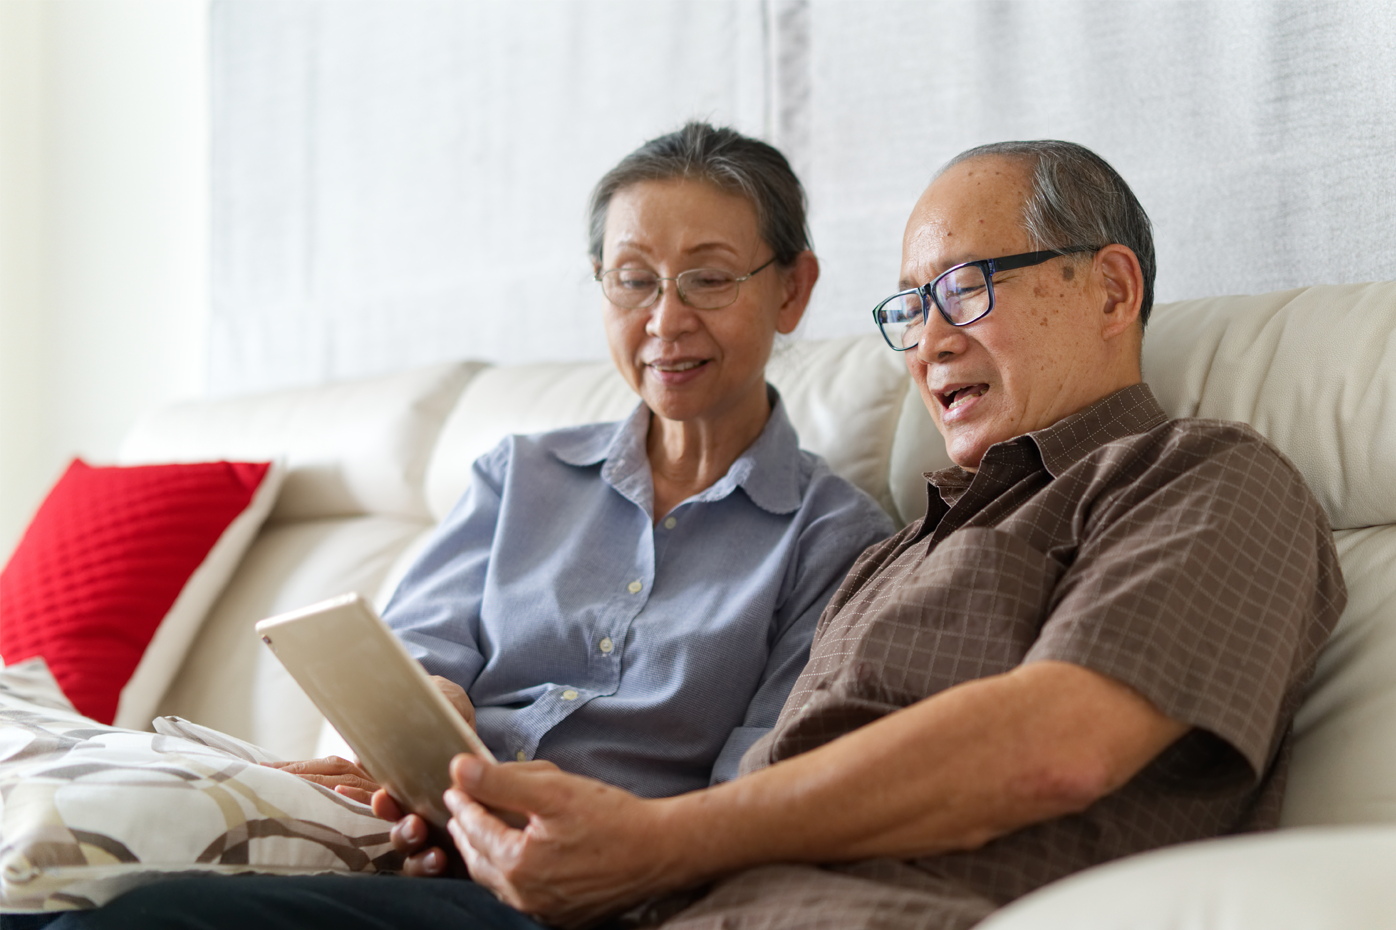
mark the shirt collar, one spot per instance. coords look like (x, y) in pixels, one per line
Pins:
(1126, 412)
(769, 469)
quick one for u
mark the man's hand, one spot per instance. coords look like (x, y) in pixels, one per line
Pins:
(458, 698)
(335, 773)
(411, 836)
(586, 850)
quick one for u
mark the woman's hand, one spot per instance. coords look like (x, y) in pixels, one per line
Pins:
(458, 698)
(340, 775)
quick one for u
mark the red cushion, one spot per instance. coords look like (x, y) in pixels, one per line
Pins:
(103, 561)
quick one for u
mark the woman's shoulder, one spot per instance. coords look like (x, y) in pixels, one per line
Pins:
(825, 492)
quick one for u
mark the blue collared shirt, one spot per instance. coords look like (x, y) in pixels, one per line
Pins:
(648, 656)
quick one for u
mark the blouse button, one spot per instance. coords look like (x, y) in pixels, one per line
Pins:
(569, 695)
(606, 645)
(635, 587)
(521, 756)
(670, 523)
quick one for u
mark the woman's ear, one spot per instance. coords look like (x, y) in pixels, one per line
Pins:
(799, 284)
(1122, 281)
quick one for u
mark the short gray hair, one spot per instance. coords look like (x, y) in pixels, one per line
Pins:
(1078, 199)
(730, 162)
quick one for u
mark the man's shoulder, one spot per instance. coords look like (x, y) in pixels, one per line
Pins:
(1187, 442)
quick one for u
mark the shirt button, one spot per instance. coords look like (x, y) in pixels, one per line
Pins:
(606, 645)
(670, 523)
(521, 756)
(569, 695)
(635, 587)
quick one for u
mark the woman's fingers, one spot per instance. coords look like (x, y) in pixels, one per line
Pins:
(457, 696)
(362, 795)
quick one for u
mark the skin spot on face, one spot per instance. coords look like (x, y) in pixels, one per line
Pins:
(1068, 273)
(1039, 291)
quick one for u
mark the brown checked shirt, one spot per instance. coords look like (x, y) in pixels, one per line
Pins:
(1185, 558)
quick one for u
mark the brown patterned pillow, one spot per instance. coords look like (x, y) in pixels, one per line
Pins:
(89, 811)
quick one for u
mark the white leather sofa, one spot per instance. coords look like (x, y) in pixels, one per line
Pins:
(374, 463)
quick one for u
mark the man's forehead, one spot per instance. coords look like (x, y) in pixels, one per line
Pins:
(972, 210)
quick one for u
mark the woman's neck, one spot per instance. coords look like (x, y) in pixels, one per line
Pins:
(689, 456)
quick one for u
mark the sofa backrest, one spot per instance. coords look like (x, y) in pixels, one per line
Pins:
(1314, 370)
(352, 502)
(846, 398)
(375, 463)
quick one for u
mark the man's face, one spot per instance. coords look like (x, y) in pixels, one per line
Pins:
(1040, 355)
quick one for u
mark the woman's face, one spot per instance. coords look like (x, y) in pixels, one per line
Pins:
(688, 364)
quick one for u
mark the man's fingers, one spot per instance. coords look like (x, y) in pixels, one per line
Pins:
(523, 788)
(385, 807)
(482, 870)
(409, 834)
(429, 863)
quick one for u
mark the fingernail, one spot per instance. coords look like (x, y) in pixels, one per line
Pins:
(435, 861)
(414, 831)
(466, 769)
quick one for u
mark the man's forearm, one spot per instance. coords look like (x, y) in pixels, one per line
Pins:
(948, 773)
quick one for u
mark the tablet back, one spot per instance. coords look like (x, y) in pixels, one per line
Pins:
(377, 696)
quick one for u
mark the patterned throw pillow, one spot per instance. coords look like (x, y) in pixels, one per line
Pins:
(88, 811)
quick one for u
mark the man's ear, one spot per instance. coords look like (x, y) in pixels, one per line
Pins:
(1123, 283)
(799, 284)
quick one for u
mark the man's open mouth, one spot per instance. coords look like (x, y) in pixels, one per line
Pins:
(953, 397)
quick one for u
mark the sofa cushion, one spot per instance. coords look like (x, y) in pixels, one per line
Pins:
(1314, 370)
(230, 681)
(357, 447)
(143, 805)
(1330, 879)
(1344, 768)
(119, 567)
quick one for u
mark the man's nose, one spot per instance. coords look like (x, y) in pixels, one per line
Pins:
(939, 340)
(670, 317)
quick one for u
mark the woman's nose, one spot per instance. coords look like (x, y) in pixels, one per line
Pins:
(670, 317)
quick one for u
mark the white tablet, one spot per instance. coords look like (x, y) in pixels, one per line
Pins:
(377, 696)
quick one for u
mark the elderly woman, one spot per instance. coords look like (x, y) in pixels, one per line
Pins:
(631, 601)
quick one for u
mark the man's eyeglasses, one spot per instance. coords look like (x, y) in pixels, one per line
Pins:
(963, 295)
(700, 288)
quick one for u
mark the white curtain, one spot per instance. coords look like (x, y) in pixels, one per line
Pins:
(397, 183)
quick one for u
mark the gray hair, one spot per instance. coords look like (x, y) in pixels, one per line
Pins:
(1078, 199)
(729, 161)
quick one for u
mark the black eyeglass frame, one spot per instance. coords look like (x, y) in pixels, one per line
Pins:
(990, 267)
(659, 287)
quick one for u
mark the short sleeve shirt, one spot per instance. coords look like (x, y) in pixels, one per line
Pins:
(1184, 558)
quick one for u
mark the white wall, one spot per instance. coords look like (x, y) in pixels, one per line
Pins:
(103, 229)
(401, 183)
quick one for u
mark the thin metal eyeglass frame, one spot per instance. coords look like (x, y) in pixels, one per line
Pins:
(659, 289)
(990, 267)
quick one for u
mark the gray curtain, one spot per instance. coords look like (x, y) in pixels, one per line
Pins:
(397, 183)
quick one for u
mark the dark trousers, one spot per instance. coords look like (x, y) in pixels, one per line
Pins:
(291, 902)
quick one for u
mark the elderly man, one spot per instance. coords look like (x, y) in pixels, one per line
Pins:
(1092, 645)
